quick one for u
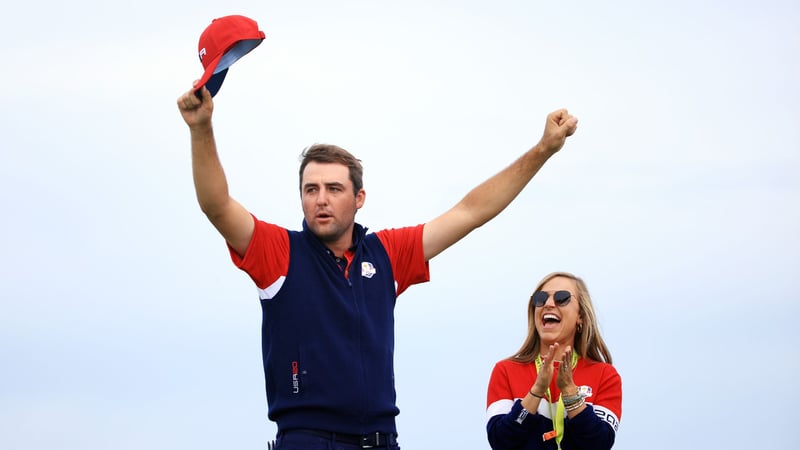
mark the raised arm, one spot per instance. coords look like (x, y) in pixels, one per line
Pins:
(493, 195)
(229, 217)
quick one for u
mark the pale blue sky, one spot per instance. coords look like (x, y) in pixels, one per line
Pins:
(125, 326)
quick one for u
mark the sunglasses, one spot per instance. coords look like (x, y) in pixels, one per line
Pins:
(560, 298)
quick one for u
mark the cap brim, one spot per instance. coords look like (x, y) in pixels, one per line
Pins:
(208, 75)
(218, 68)
(215, 82)
(238, 50)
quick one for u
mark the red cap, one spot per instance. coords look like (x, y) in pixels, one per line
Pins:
(222, 43)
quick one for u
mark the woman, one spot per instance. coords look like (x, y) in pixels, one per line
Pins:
(559, 391)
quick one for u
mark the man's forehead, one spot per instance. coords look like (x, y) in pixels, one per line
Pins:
(326, 173)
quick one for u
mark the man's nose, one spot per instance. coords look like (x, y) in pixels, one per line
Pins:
(322, 197)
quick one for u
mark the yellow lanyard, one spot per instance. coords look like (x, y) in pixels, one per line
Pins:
(558, 414)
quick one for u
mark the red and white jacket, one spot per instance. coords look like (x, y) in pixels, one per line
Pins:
(509, 426)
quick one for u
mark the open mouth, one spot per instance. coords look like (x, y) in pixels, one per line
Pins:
(550, 320)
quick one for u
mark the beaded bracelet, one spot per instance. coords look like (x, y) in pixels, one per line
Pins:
(572, 399)
(537, 396)
(574, 406)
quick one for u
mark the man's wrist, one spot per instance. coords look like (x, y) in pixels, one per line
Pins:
(541, 149)
(201, 128)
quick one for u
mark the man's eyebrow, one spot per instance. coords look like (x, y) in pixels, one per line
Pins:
(328, 184)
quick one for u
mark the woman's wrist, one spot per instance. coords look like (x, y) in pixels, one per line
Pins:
(575, 406)
(533, 393)
(570, 391)
(571, 399)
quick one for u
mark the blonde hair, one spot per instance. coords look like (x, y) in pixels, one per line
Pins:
(588, 342)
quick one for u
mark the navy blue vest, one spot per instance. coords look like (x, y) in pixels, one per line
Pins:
(328, 341)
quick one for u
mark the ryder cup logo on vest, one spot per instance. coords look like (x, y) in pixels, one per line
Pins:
(367, 269)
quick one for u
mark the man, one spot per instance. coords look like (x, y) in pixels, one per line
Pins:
(328, 292)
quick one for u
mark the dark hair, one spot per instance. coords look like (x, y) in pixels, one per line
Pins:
(328, 153)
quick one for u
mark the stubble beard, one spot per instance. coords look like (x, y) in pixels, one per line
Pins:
(329, 233)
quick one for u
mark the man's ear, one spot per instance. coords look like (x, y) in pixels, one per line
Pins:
(361, 196)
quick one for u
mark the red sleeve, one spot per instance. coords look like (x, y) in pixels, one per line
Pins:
(609, 391)
(404, 247)
(499, 387)
(267, 257)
